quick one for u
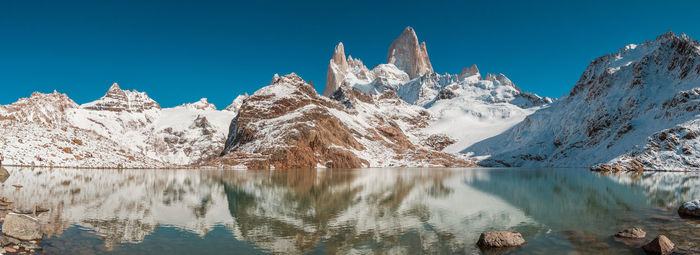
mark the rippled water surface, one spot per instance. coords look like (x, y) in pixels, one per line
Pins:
(398, 211)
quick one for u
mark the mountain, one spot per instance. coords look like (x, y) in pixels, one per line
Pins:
(398, 114)
(121, 129)
(39, 130)
(289, 125)
(636, 109)
(466, 107)
(118, 100)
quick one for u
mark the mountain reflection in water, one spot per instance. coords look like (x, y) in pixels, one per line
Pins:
(349, 211)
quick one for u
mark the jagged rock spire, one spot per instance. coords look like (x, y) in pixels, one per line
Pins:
(469, 71)
(336, 70)
(409, 56)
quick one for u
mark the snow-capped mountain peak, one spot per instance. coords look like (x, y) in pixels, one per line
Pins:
(118, 100)
(202, 104)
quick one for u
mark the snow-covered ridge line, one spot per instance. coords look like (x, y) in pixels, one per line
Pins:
(123, 129)
(636, 109)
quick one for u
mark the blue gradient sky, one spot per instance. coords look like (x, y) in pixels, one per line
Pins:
(180, 51)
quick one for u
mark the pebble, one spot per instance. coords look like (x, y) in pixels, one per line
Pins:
(10, 250)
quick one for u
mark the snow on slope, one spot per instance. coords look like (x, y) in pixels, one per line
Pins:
(634, 109)
(127, 123)
(472, 109)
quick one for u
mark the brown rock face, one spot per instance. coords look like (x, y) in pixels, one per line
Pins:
(296, 144)
(409, 56)
(500, 239)
(660, 245)
(336, 70)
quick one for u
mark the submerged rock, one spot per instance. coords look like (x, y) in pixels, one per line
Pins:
(23, 227)
(635, 232)
(29, 246)
(690, 208)
(6, 240)
(500, 239)
(660, 245)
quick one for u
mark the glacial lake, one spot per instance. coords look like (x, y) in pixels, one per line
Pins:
(357, 211)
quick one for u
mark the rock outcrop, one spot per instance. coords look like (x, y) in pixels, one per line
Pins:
(408, 55)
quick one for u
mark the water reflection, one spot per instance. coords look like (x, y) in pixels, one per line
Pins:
(350, 211)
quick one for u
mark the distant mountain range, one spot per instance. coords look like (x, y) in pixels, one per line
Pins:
(636, 109)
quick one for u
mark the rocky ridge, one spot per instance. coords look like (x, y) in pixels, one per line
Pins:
(289, 125)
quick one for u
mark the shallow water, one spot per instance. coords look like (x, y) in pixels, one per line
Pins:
(400, 211)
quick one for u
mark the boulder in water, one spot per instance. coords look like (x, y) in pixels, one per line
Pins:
(660, 245)
(20, 226)
(690, 208)
(500, 239)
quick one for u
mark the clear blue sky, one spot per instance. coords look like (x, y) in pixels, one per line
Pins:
(180, 51)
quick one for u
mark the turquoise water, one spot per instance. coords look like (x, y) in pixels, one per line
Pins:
(359, 211)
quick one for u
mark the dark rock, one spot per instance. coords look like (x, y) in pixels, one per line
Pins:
(500, 239)
(6, 240)
(690, 209)
(29, 246)
(660, 245)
